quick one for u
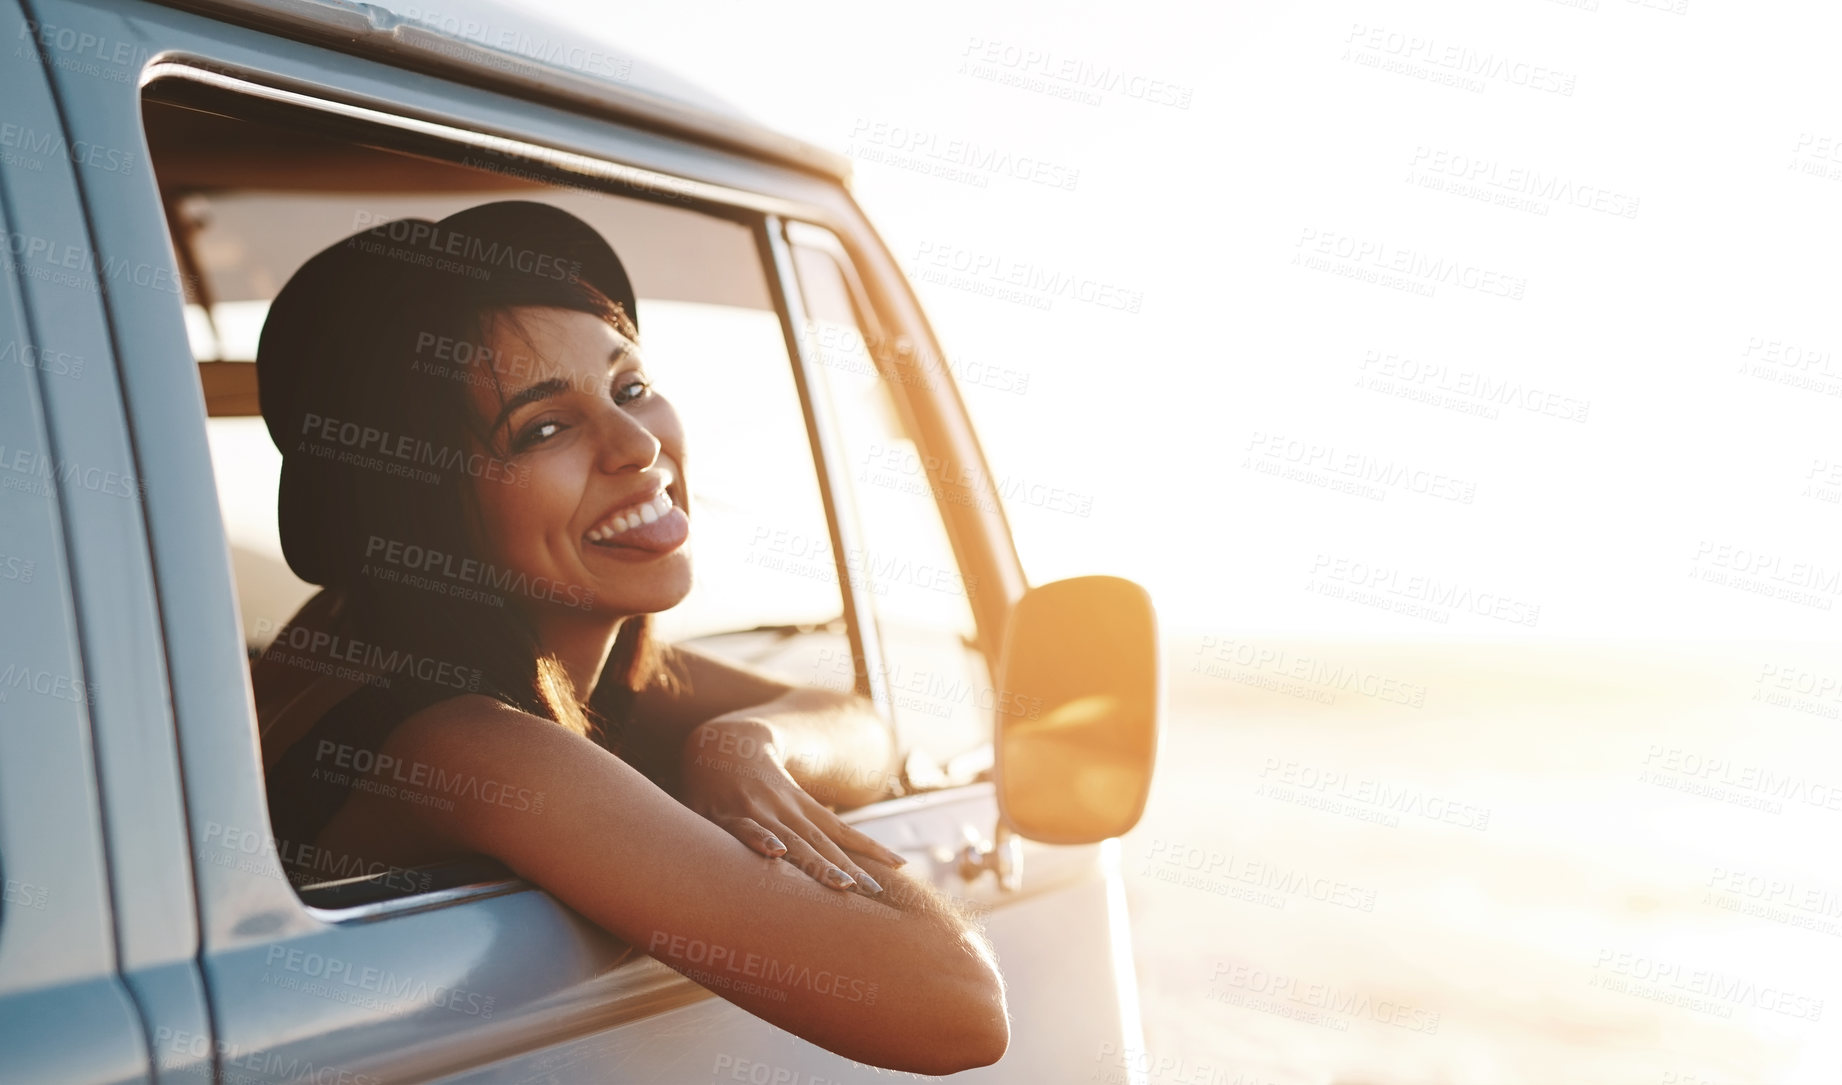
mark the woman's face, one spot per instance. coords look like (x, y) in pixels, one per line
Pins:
(591, 445)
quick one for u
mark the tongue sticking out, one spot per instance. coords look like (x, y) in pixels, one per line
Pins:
(661, 536)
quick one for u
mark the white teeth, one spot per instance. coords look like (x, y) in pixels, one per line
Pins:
(625, 520)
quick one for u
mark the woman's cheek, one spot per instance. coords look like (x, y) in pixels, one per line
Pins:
(662, 421)
(507, 503)
(556, 489)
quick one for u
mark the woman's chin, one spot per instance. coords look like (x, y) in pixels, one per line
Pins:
(659, 592)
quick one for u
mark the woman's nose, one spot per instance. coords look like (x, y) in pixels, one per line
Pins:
(624, 442)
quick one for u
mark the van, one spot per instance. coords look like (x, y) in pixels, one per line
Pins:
(163, 170)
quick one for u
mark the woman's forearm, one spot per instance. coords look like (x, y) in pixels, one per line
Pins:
(833, 744)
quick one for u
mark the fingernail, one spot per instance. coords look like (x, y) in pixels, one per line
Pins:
(774, 844)
(838, 879)
(869, 883)
(896, 858)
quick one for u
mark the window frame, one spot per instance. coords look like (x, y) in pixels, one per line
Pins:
(821, 426)
(934, 412)
(875, 327)
(761, 213)
(584, 151)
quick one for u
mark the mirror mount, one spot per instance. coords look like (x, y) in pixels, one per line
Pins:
(1002, 855)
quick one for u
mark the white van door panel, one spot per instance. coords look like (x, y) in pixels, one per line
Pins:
(1050, 935)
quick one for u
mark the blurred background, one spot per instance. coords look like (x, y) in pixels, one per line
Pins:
(1461, 380)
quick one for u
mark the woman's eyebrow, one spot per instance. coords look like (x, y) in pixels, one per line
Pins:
(530, 393)
(544, 389)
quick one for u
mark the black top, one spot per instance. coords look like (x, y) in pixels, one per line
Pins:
(319, 772)
(338, 756)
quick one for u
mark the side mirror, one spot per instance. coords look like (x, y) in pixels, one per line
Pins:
(1080, 674)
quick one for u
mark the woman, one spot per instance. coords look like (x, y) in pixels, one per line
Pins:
(477, 469)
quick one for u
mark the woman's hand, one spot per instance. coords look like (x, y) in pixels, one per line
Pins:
(732, 772)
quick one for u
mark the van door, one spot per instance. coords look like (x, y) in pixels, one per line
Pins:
(479, 977)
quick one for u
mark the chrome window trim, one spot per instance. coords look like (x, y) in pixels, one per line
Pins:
(419, 902)
(397, 39)
(637, 178)
(907, 805)
(866, 644)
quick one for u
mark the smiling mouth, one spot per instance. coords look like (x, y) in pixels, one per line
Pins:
(653, 523)
(636, 515)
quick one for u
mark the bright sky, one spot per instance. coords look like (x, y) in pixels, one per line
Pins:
(1624, 214)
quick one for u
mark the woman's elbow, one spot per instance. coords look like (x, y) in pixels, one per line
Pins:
(987, 1015)
(976, 1033)
(989, 1039)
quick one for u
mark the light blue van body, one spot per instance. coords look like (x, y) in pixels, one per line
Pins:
(146, 933)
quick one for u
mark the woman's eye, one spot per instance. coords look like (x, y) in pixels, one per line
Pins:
(621, 388)
(536, 434)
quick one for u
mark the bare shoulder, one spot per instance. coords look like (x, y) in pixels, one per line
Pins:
(488, 777)
(483, 755)
(465, 723)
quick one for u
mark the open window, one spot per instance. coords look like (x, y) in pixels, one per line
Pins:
(251, 192)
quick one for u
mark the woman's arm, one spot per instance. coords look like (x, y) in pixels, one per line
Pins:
(908, 984)
(833, 744)
(767, 765)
